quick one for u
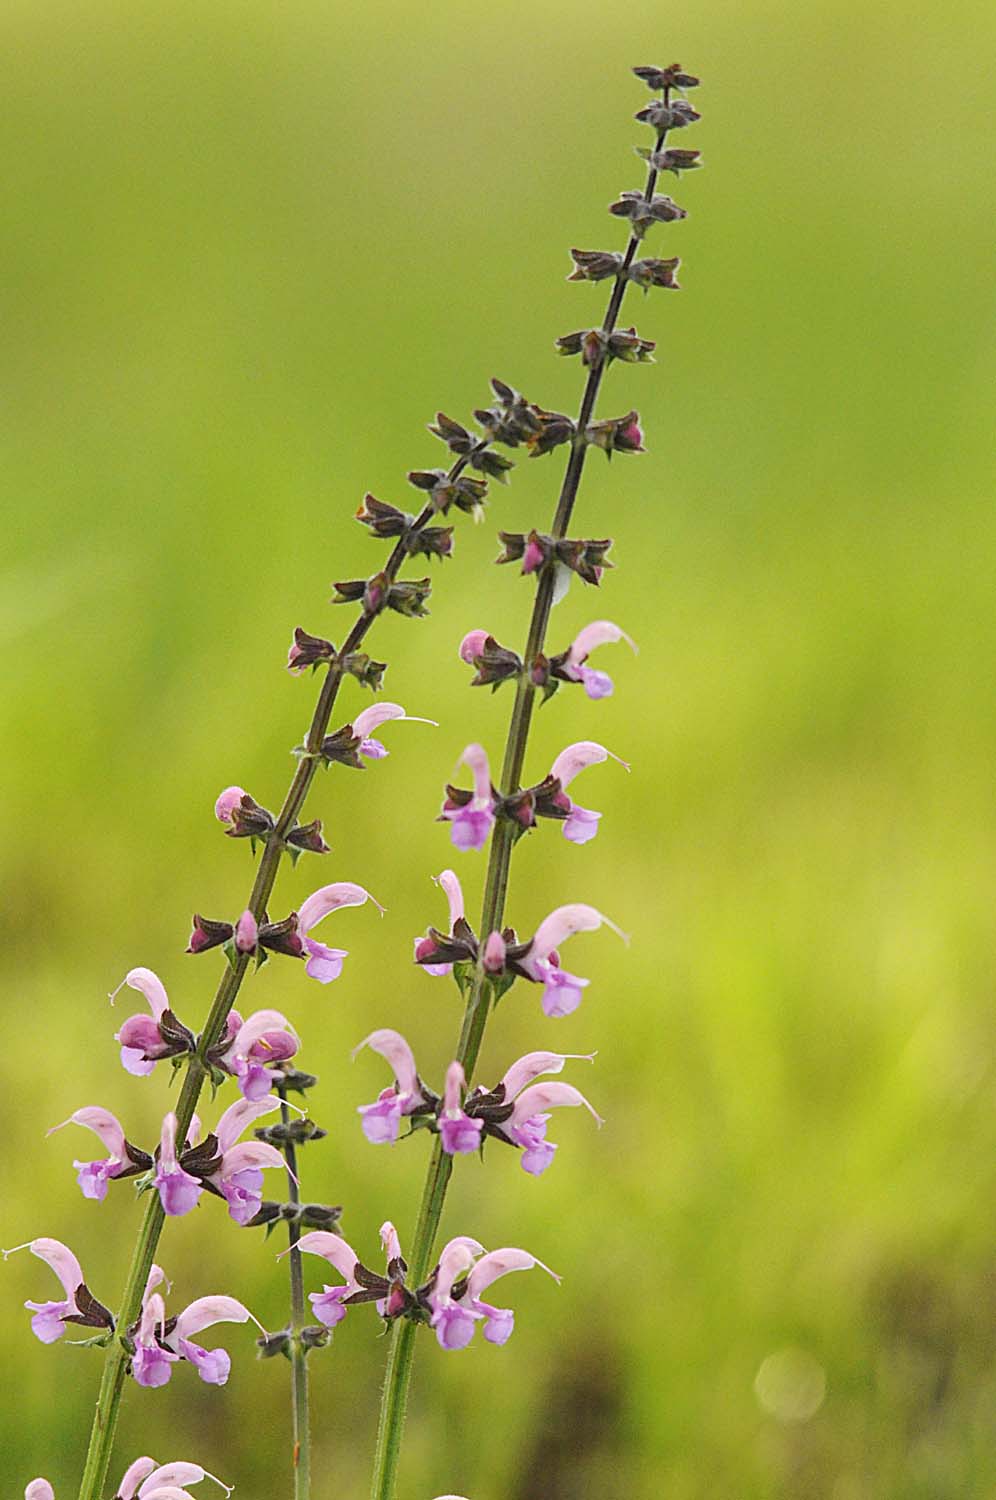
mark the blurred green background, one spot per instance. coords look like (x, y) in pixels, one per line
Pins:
(248, 250)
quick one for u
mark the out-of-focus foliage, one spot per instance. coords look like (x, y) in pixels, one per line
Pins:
(248, 250)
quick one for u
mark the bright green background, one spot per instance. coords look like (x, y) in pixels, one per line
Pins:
(249, 249)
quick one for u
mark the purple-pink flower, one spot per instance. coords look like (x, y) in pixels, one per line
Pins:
(459, 1133)
(328, 1305)
(538, 959)
(382, 1119)
(144, 1480)
(573, 668)
(145, 1040)
(531, 1102)
(371, 719)
(455, 1319)
(325, 964)
(77, 1306)
(252, 1050)
(581, 823)
(122, 1159)
(227, 802)
(471, 814)
(159, 1343)
(434, 942)
(230, 1168)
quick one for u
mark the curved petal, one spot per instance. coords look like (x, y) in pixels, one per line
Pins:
(472, 645)
(455, 1081)
(330, 1247)
(544, 1096)
(238, 1117)
(533, 1064)
(392, 1046)
(371, 718)
(476, 759)
(500, 1263)
(176, 1474)
(134, 1474)
(256, 1027)
(102, 1123)
(149, 985)
(330, 898)
(450, 884)
(456, 1257)
(579, 757)
(206, 1311)
(248, 1155)
(60, 1259)
(563, 923)
(598, 633)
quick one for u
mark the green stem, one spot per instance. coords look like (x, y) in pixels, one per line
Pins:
(397, 1379)
(116, 1360)
(301, 1456)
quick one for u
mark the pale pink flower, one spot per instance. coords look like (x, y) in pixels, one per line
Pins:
(471, 815)
(573, 668)
(325, 964)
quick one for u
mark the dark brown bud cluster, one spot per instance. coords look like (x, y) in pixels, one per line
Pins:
(404, 596)
(538, 550)
(494, 664)
(552, 429)
(595, 265)
(249, 820)
(294, 1133)
(305, 1215)
(674, 115)
(474, 449)
(672, 77)
(617, 434)
(387, 521)
(648, 273)
(594, 346)
(670, 159)
(465, 492)
(511, 419)
(642, 212)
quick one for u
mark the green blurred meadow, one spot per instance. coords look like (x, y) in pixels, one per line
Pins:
(248, 250)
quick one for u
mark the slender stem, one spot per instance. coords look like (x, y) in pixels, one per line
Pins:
(116, 1360)
(394, 1399)
(299, 1359)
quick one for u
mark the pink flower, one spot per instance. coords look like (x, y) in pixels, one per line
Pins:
(325, 964)
(581, 823)
(573, 669)
(227, 802)
(328, 1305)
(232, 1169)
(455, 1319)
(451, 945)
(471, 815)
(526, 1126)
(147, 1480)
(254, 1050)
(145, 1040)
(472, 645)
(122, 1159)
(458, 1132)
(178, 1190)
(156, 1350)
(539, 961)
(39, 1489)
(371, 718)
(382, 1120)
(77, 1306)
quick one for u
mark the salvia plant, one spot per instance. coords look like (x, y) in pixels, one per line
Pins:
(242, 1153)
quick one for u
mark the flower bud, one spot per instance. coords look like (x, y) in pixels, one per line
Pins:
(456, 438)
(383, 520)
(667, 78)
(368, 673)
(642, 213)
(648, 273)
(595, 265)
(246, 933)
(617, 434)
(207, 934)
(308, 837)
(308, 650)
(494, 953)
(670, 160)
(672, 116)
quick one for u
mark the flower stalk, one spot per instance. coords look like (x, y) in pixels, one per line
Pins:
(301, 1426)
(398, 1372)
(198, 1068)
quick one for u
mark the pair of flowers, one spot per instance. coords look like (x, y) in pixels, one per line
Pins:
(516, 1111)
(451, 1301)
(537, 960)
(222, 1163)
(145, 1479)
(156, 1343)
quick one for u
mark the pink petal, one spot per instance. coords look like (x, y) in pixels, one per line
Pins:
(579, 757)
(330, 1247)
(599, 633)
(533, 1064)
(472, 645)
(227, 802)
(392, 1046)
(500, 1263)
(330, 898)
(206, 1311)
(60, 1259)
(544, 1096)
(151, 986)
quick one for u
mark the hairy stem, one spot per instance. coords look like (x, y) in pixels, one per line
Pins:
(116, 1360)
(397, 1379)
